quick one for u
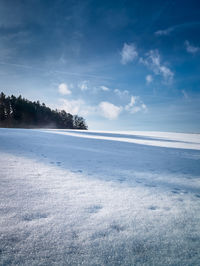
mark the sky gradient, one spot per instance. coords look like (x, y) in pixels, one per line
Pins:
(122, 65)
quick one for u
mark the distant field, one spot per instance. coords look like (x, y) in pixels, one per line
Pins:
(99, 198)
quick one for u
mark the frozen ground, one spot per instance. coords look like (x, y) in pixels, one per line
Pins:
(99, 198)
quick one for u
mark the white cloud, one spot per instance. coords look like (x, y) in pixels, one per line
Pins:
(152, 61)
(128, 53)
(104, 88)
(135, 105)
(109, 110)
(190, 48)
(76, 107)
(63, 89)
(149, 79)
(83, 85)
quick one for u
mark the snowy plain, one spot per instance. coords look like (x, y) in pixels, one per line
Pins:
(99, 198)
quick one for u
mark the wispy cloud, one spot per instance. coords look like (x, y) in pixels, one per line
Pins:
(109, 110)
(104, 88)
(135, 105)
(63, 89)
(128, 53)
(121, 93)
(153, 61)
(191, 48)
(83, 85)
(185, 95)
(78, 74)
(176, 27)
(164, 32)
(149, 79)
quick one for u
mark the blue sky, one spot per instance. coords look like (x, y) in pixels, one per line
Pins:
(122, 65)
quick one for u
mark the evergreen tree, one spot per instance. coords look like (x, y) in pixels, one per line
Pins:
(79, 122)
(2, 107)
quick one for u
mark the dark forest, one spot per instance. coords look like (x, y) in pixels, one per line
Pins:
(19, 112)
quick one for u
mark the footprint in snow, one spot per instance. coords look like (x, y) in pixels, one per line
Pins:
(94, 209)
(79, 171)
(150, 185)
(51, 162)
(74, 235)
(117, 227)
(180, 199)
(153, 208)
(100, 234)
(179, 191)
(121, 180)
(197, 195)
(175, 192)
(34, 216)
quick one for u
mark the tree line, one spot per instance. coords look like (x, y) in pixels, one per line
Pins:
(20, 112)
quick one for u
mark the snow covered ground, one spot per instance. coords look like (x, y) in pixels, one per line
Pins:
(99, 198)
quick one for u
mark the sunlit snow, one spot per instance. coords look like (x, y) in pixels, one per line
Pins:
(99, 198)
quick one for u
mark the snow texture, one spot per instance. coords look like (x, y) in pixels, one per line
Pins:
(99, 198)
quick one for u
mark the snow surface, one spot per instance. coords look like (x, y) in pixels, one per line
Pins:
(99, 198)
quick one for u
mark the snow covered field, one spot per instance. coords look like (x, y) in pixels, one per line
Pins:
(99, 198)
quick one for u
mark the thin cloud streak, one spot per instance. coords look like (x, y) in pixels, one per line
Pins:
(56, 71)
(176, 27)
